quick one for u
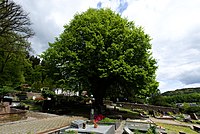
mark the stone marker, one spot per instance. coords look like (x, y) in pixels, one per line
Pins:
(78, 124)
(193, 116)
(196, 128)
(101, 129)
(92, 114)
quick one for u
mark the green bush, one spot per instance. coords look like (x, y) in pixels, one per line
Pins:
(179, 117)
(5, 90)
(196, 121)
(28, 101)
(136, 132)
(190, 110)
(71, 132)
(152, 130)
(107, 120)
(170, 113)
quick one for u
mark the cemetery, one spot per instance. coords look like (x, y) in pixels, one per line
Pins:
(64, 113)
(98, 76)
(117, 118)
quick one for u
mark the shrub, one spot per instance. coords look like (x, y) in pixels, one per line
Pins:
(152, 130)
(107, 120)
(71, 132)
(190, 110)
(179, 117)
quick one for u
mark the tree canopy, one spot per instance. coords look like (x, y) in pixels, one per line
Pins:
(104, 53)
(14, 46)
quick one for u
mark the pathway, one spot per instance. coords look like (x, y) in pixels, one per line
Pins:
(37, 125)
(120, 130)
(173, 122)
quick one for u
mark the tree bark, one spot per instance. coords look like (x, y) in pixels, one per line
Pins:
(99, 90)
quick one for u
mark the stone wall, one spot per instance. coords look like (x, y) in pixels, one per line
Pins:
(4, 107)
(146, 107)
(13, 115)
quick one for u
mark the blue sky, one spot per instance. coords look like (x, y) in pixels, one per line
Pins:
(173, 25)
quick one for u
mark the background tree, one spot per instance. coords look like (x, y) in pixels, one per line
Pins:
(104, 52)
(4, 91)
(14, 20)
(14, 33)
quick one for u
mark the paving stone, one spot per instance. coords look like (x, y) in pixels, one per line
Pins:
(38, 125)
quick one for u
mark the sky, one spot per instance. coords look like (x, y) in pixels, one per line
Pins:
(173, 25)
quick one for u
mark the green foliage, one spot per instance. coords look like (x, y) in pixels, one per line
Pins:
(190, 110)
(22, 95)
(185, 106)
(170, 113)
(152, 130)
(127, 113)
(14, 32)
(182, 91)
(33, 105)
(48, 93)
(71, 132)
(161, 101)
(181, 98)
(136, 132)
(5, 90)
(175, 98)
(171, 129)
(102, 52)
(37, 85)
(196, 121)
(179, 117)
(107, 120)
(187, 95)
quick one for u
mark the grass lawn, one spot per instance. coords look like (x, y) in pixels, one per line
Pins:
(34, 107)
(196, 121)
(128, 110)
(172, 129)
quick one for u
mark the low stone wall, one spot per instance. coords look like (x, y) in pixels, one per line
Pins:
(4, 107)
(147, 107)
(107, 102)
(13, 115)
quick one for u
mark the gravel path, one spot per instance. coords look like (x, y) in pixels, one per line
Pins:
(34, 126)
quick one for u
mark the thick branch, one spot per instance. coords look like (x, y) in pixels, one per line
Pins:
(13, 18)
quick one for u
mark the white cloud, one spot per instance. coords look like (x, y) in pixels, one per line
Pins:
(49, 17)
(173, 25)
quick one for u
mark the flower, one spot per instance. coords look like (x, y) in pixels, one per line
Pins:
(98, 117)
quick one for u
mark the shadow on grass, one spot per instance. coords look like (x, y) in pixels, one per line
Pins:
(73, 110)
(122, 114)
(84, 111)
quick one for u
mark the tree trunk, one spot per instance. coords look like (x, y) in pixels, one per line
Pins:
(99, 90)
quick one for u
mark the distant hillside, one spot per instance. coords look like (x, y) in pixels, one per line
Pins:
(182, 91)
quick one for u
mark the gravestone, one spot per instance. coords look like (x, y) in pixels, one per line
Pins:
(78, 124)
(196, 128)
(193, 116)
(187, 120)
(92, 114)
(154, 113)
(89, 129)
(4, 107)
